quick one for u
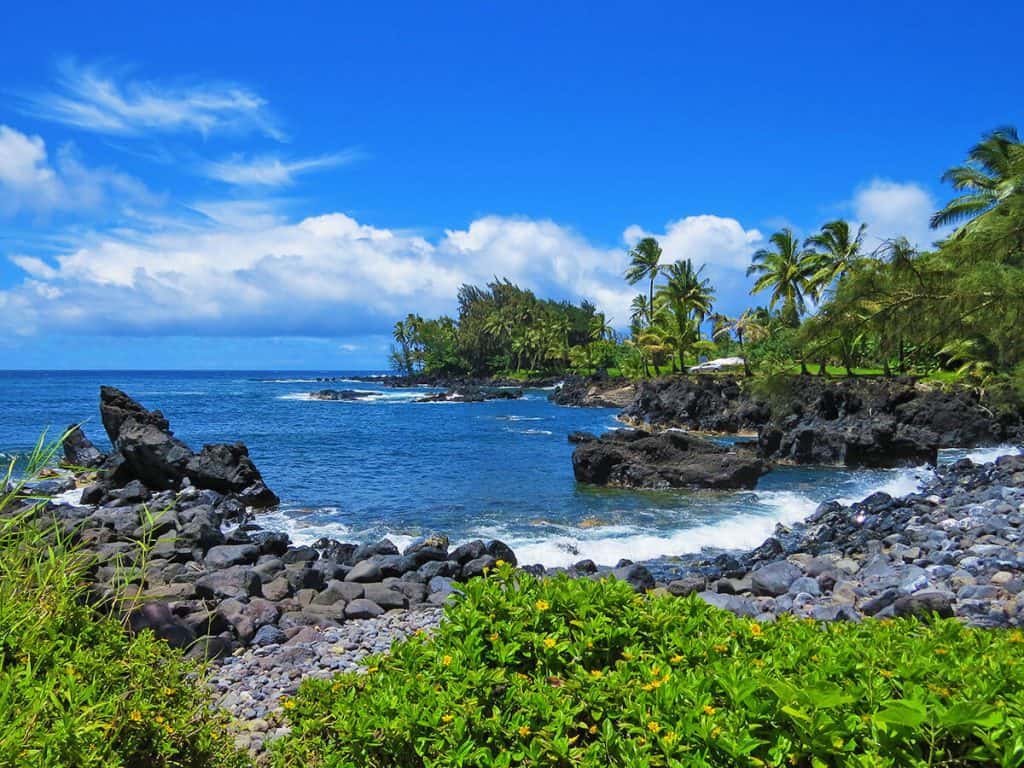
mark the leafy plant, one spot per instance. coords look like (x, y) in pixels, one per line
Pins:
(75, 688)
(562, 672)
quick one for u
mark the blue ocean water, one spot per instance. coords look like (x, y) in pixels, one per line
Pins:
(388, 466)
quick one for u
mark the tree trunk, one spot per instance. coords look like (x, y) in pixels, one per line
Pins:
(822, 368)
(803, 368)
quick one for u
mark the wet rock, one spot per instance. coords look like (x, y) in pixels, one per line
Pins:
(79, 450)
(633, 459)
(636, 575)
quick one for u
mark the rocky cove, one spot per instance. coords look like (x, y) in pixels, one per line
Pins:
(185, 540)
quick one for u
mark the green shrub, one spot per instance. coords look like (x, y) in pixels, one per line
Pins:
(75, 688)
(564, 673)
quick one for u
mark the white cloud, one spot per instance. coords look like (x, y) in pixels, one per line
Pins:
(721, 244)
(894, 209)
(246, 271)
(29, 182)
(93, 100)
(35, 267)
(26, 179)
(269, 170)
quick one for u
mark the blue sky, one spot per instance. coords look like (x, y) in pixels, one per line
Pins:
(194, 187)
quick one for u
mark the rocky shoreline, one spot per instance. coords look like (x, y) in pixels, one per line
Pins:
(203, 575)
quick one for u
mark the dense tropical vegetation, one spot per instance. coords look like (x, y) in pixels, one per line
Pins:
(76, 689)
(563, 672)
(834, 303)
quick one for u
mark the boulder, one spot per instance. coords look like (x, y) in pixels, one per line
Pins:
(365, 572)
(703, 403)
(226, 555)
(361, 608)
(79, 450)
(238, 581)
(161, 621)
(774, 579)
(924, 604)
(633, 459)
(636, 575)
(148, 451)
(339, 394)
(599, 391)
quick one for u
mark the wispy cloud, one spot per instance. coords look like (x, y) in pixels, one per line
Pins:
(30, 182)
(270, 170)
(104, 102)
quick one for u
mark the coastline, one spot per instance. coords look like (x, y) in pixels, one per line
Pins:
(269, 612)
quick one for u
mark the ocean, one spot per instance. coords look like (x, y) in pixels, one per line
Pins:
(388, 466)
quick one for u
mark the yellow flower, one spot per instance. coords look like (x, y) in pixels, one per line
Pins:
(447, 718)
(721, 647)
(169, 691)
(288, 704)
(494, 637)
(653, 726)
(499, 563)
(549, 642)
(593, 729)
(675, 659)
(446, 660)
(168, 729)
(885, 673)
(669, 737)
(542, 605)
(941, 651)
(709, 710)
(371, 670)
(755, 629)
(716, 732)
(524, 731)
(596, 673)
(655, 670)
(1017, 636)
(135, 716)
(159, 719)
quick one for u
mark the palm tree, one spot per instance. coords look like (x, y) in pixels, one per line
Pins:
(747, 327)
(788, 271)
(992, 178)
(840, 248)
(640, 315)
(639, 311)
(643, 265)
(689, 298)
(599, 328)
(405, 333)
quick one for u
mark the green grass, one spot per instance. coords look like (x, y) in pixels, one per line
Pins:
(557, 672)
(75, 688)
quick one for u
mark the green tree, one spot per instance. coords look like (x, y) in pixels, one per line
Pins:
(644, 259)
(992, 181)
(748, 327)
(689, 298)
(839, 247)
(788, 271)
